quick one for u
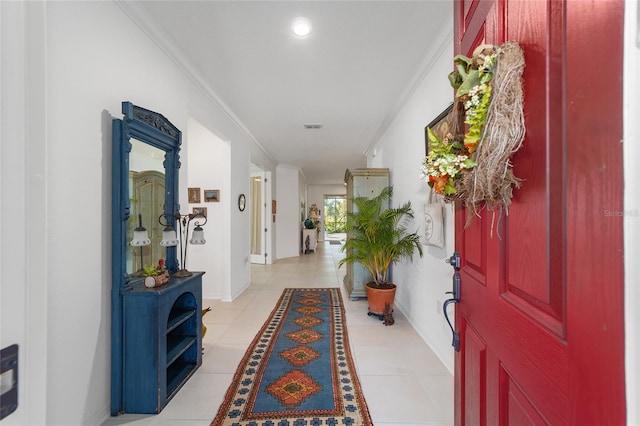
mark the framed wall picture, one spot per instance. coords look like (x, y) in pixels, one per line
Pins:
(194, 195)
(439, 126)
(211, 195)
(200, 211)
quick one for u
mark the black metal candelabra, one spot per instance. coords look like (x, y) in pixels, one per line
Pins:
(170, 238)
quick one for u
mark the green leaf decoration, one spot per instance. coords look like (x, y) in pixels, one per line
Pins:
(469, 163)
(459, 75)
(462, 60)
(455, 79)
(449, 189)
(151, 271)
(472, 80)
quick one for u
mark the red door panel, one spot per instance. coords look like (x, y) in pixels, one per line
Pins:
(475, 368)
(475, 257)
(540, 316)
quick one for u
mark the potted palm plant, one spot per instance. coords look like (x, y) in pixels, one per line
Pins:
(379, 237)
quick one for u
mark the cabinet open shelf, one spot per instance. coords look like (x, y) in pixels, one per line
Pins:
(178, 345)
(179, 319)
(163, 341)
(177, 374)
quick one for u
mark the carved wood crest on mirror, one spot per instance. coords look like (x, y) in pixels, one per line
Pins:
(146, 160)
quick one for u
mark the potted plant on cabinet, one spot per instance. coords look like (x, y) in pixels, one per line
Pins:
(155, 276)
(379, 237)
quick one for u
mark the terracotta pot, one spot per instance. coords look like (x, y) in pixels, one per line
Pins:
(379, 299)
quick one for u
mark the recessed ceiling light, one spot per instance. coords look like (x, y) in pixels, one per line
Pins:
(301, 26)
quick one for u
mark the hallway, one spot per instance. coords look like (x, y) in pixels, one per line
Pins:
(403, 381)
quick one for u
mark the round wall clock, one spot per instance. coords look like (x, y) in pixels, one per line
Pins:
(242, 202)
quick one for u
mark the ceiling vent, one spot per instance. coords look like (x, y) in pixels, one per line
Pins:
(313, 126)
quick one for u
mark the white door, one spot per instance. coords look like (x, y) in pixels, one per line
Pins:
(258, 211)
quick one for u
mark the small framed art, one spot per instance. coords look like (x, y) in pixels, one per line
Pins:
(439, 126)
(211, 195)
(200, 211)
(194, 195)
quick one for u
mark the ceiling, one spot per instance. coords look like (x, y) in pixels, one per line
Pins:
(351, 74)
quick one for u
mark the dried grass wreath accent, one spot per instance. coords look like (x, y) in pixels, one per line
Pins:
(474, 166)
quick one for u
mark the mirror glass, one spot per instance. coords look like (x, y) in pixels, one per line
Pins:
(146, 197)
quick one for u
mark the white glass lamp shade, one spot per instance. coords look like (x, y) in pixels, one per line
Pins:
(140, 237)
(198, 236)
(169, 237)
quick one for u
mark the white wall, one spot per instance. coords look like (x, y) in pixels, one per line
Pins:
(94, 61)
(84, 59)
(23, 206)
(237, 224)
(288, 222)
(421, 284)
(316, 193)
(208, 167)
(632, 206)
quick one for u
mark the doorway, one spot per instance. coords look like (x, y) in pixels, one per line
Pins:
(335, 217)
(260, 225)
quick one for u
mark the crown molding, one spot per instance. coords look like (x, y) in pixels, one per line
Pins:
(168, 46)
(442, 41)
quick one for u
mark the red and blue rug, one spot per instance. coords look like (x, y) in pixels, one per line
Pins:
(298, 370)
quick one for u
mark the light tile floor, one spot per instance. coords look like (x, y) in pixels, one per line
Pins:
(403, 381)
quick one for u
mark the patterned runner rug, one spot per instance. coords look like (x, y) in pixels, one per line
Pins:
(298, 370)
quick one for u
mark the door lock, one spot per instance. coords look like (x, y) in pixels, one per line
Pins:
(454, 261)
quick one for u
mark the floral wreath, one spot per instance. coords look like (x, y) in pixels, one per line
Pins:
(474, 165)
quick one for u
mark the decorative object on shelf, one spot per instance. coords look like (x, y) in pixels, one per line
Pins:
(170, 237)
(308, 223)
(314, 212)
(314, 215)
(194, 195)
(242, 202)
(211, 195)
(155, 276)
(475, 166)
(140, 239)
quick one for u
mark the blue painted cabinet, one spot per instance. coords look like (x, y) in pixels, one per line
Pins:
(162, 331)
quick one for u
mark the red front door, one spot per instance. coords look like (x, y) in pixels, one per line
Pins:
(541, 313)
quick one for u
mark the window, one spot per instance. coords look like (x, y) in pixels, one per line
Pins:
(335, 214)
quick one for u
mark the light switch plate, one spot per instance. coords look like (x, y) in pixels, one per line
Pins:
(8, 380)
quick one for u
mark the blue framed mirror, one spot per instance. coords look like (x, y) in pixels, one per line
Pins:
(145, 164)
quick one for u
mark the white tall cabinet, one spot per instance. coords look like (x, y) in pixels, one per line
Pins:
(361, 183)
